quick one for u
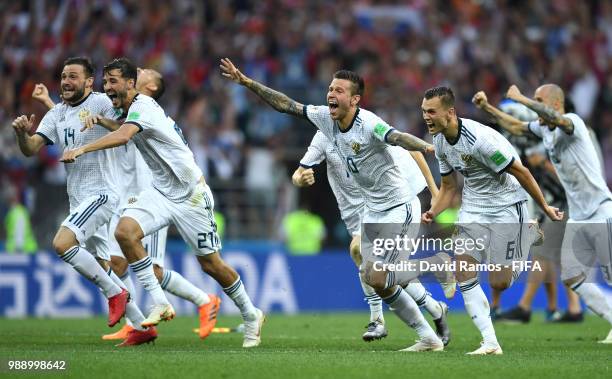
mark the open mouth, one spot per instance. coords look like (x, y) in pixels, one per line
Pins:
(111, 96)
(333, 105)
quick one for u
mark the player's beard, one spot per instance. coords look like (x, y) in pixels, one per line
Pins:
(77, 94)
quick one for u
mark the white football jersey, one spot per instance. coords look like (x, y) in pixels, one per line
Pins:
(164, 149)
(349, 195)
(93, 173)
(366, 155)
(135, 176)
(577, 164)
(481, 155)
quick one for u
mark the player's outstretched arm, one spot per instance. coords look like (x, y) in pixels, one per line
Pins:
(303, 177)
(29, 145)
(527, 181)
(424, 167)
(448, 190)
(41, 94)
(512, 125)
(106, 123)
(277, 100)
(549, 115)
(117, 138)
(409, 142)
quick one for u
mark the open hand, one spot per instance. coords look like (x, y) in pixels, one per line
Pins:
(230, 71)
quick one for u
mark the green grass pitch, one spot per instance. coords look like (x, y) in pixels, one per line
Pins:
(309, 346)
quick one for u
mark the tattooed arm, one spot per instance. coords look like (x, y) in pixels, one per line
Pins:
(512, 125)
(409, 142)
(549, 115)
(277, 100)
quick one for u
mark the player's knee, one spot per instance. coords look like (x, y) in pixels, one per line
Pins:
(126, 235)
(62, 242)
(464, 276)
(375, 279)
(355, 253)
(500, 285)
(211, 264)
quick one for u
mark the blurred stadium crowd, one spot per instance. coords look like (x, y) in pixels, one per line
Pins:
(246, 149)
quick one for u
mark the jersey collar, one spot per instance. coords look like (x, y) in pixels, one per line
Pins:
(351, 124)
(80, 101)
(454, 142)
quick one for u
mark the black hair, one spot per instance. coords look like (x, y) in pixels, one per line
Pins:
(353, 77)
(127, 68)
(446, 95)
(85, 62)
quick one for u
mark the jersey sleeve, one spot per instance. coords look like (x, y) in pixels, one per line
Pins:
(141, 114)
(316, 151)
(495, 152)
(580, 128)
(47, 128)
(534, 128)
(319, 116)
(381, 130)
(445, 167)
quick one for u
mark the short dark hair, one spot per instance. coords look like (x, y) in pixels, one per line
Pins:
(446, 95)
(161, 87)
(127, 68)
(353, 77)
(85, 62)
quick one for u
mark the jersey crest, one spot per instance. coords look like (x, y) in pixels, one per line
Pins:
(356, 147)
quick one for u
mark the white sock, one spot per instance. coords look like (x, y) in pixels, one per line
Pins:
(477, 306)
(423, 299)
(176, 284)
(146, 276)
(133, 315)
(238, 294)
(85, 264)
(406, 309)
(129, 285)
(374, 301)
(594, 298)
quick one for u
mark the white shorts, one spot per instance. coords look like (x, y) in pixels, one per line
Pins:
(400, 221)
(154, 244)
(588, 240)
(89, 221)
(194, 217)
(495, 238)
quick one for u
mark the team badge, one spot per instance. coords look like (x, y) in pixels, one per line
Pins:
(83, 114)
(466, 158)
(356, 147)
(132, 200)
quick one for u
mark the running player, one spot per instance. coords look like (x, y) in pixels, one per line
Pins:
(363, 141)
(574, 156)
(136, 177)
(91, 185)
(179, 195)
(350, 202)
(492, 194)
